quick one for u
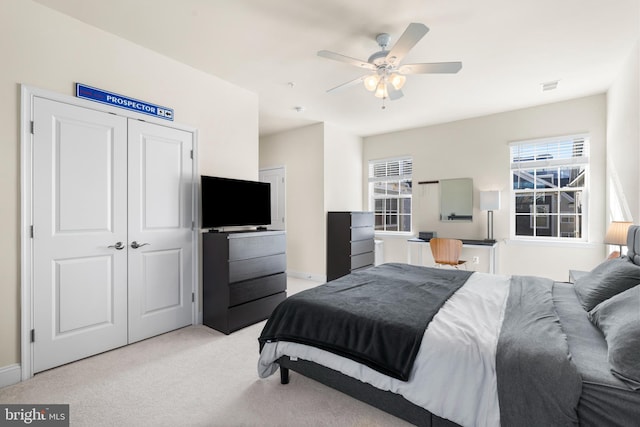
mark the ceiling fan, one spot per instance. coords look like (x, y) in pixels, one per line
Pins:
(388, 76)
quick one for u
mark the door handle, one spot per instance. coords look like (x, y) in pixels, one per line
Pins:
(119, 246)
(136, 245)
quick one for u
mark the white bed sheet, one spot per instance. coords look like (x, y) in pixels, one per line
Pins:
(454, 375)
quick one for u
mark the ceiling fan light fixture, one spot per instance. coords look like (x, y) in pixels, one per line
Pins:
(397, 80)
(371, 82)
(386, 74)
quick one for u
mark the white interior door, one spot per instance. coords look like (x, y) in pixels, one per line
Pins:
(276, 177)
(112, 237)
(79, 204)
(160, 224)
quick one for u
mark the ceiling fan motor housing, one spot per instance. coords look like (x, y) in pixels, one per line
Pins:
(379, 58)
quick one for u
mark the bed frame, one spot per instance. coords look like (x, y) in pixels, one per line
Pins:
(386, 401)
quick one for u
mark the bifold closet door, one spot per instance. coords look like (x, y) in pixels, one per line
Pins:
(79, 233)
(112, 231)
(160, 229)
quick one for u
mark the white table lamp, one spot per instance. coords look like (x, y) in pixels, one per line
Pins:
(617, 233)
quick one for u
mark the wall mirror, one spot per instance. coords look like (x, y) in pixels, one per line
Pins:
(456, 200)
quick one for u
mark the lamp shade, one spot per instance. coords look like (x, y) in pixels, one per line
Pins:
(371, 82)
(381, 90)
(489, 200)
(397, 80)
(617, 233)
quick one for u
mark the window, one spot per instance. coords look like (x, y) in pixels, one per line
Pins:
(390, 193)
(549, 186)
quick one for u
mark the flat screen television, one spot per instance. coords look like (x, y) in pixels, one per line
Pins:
(233, 202)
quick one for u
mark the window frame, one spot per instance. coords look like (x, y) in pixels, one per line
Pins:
(583, 161)
(371, 179)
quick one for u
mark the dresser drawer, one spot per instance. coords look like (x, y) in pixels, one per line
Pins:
(254, 246)
(362, 246)
(246, 269)
(362, 219)
(362, 233)
(362, 260)
(250, 290)
(251, 312)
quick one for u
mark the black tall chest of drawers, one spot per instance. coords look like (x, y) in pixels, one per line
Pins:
(350, 242)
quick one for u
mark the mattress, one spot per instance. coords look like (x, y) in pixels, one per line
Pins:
(469, 374)
(605, 400)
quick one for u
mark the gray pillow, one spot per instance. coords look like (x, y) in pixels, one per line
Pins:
(619, 320)
(606, 280)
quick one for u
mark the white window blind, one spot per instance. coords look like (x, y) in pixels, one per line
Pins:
(390, 169)
(573, 150)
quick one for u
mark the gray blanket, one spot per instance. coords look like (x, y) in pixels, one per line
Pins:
(538, 384)
(376, 317)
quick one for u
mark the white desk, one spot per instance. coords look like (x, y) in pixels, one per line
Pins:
(491, 246)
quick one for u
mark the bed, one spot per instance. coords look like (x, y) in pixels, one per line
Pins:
(441, 347)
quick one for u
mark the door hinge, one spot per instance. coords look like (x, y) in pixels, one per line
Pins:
(33, 335)
(32, 127)
(283, 180)
(193, 297)
(31, 231)
(191, 154)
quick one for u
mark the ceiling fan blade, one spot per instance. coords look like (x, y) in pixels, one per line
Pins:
(347, 59)
(393, 93)
(412, 35)
(347, 84)
(434, 67)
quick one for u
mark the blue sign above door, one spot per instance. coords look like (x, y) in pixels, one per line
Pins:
(116, 100)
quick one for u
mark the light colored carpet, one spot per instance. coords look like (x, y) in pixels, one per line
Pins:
(194, 376)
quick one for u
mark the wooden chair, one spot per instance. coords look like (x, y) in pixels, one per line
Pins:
(447, 252)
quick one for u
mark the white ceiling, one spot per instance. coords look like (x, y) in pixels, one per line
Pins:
(508, 49)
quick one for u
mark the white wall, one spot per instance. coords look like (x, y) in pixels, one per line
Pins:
(324, 171)
(623, 142)
(301, 151)
(478, 148)
(49, 50)
(342, 170)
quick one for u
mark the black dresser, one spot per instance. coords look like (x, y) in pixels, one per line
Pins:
(243, 277)
(350, 242)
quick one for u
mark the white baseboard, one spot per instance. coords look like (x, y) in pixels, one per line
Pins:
(10, 375)
(307, 276)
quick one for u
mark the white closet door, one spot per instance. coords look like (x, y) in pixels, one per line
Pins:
(79, 216)
(160, 222)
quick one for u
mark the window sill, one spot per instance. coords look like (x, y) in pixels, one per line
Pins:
(395, 234)
(552, 243)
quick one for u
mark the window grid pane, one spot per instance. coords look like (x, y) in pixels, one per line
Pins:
(547, 195)
(390, 189)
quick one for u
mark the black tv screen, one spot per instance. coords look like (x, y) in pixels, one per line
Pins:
(234, 202)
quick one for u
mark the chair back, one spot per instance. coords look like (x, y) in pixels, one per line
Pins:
(446, 251)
